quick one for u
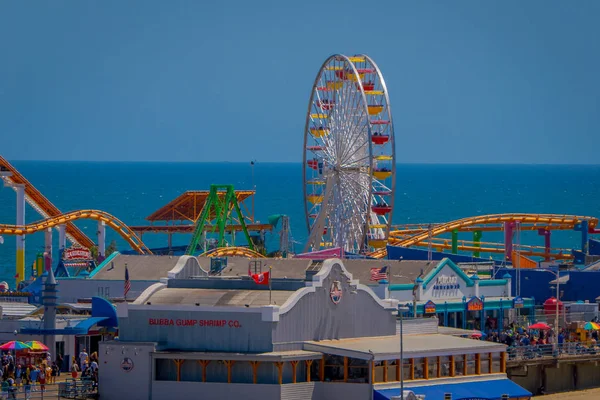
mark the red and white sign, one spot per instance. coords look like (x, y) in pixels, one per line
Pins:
(76, 253)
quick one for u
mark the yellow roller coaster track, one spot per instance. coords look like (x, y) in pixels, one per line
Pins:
(134, 241)
(232, 252)
(528, 221)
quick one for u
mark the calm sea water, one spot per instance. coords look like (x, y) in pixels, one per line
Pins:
(425, 193)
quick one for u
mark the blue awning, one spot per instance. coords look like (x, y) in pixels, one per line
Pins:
(478, 390)
(82, 328)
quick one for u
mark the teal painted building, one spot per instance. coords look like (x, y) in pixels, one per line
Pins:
(459, 300)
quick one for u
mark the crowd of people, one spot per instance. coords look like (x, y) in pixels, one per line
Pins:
(27, 378)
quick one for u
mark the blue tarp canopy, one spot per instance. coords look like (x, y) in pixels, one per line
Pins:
(479, 390)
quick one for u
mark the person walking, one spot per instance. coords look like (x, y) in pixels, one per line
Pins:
(59, 363)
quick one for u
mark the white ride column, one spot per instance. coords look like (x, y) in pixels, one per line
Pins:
(62, 237)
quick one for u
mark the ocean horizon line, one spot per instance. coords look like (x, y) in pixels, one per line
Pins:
(292, 162)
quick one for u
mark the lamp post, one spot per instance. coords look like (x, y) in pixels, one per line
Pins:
(401, 366)
(557, 275)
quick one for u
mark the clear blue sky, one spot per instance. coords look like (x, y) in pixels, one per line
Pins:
(470, 81)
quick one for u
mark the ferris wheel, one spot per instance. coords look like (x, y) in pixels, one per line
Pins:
(349, 157)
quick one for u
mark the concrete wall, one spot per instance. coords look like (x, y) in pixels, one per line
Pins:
(113, 380)
(69, 290)
(241, 332)
(316, 317)
(562, 378)
(209, 391)
(298, 391)
(346, 391)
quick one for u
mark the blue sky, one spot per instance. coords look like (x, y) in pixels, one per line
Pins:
(470, 81)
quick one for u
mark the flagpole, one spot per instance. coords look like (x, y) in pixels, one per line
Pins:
(270, 278)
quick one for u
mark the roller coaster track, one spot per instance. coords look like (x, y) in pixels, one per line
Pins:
(126, 233)
(415, 235)
(41, 204)
(232, 252)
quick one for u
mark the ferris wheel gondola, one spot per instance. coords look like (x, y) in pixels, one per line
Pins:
(349, 157)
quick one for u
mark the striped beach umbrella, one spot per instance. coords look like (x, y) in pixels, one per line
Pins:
(35, 345)
(14, 345)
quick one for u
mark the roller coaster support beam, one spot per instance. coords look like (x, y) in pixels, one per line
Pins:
(508, 240)
(101, 240)
(546, 234)
(222, 210)
(455, 241)
(583, 227)
(48, 248)
(477, 242)
(20, 189)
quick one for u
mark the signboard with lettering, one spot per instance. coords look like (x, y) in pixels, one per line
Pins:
(76, 253)
(518, 302)
(475, 304)
(429, 307)
(210, 323)
(445, 282)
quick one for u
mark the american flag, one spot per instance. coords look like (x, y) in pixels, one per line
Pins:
(127, 282)
(378, 274)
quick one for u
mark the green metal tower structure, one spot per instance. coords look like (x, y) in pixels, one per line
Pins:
(218, 212)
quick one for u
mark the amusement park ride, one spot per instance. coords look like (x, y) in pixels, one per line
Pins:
(349, 167)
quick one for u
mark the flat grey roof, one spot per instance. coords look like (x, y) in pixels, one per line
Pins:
(401, 271)
(141, 268)
(271, 356)
(388, 347)
(218, 297)
(282, 268)
(16, 309)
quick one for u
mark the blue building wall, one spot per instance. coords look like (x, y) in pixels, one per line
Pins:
(395, 252)
(594, 247)
(534, 283)
(582, 285)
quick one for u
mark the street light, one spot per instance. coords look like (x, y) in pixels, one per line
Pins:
(557, 275)
(401, 366)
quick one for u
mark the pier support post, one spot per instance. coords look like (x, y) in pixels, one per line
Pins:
(48, 249)
(455, 241)
(508, 240)
(477, 242)
(546, 234)
(62, 238)
(20, 189)
(101, 240)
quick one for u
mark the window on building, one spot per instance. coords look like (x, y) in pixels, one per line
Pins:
(419, 370)
(496, 363)
(334, 368)
(165, 370)
(358, 370)
(392, 366)
(485, 363)
(407, 370)
(191, 371)
(444, 366)
(459, 365)
(315, 370)
(432, 366)
(471, 364)
(378, 371)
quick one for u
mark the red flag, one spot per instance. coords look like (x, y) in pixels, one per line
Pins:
(262, 278)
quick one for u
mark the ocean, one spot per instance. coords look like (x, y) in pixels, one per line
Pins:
(424, 193)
